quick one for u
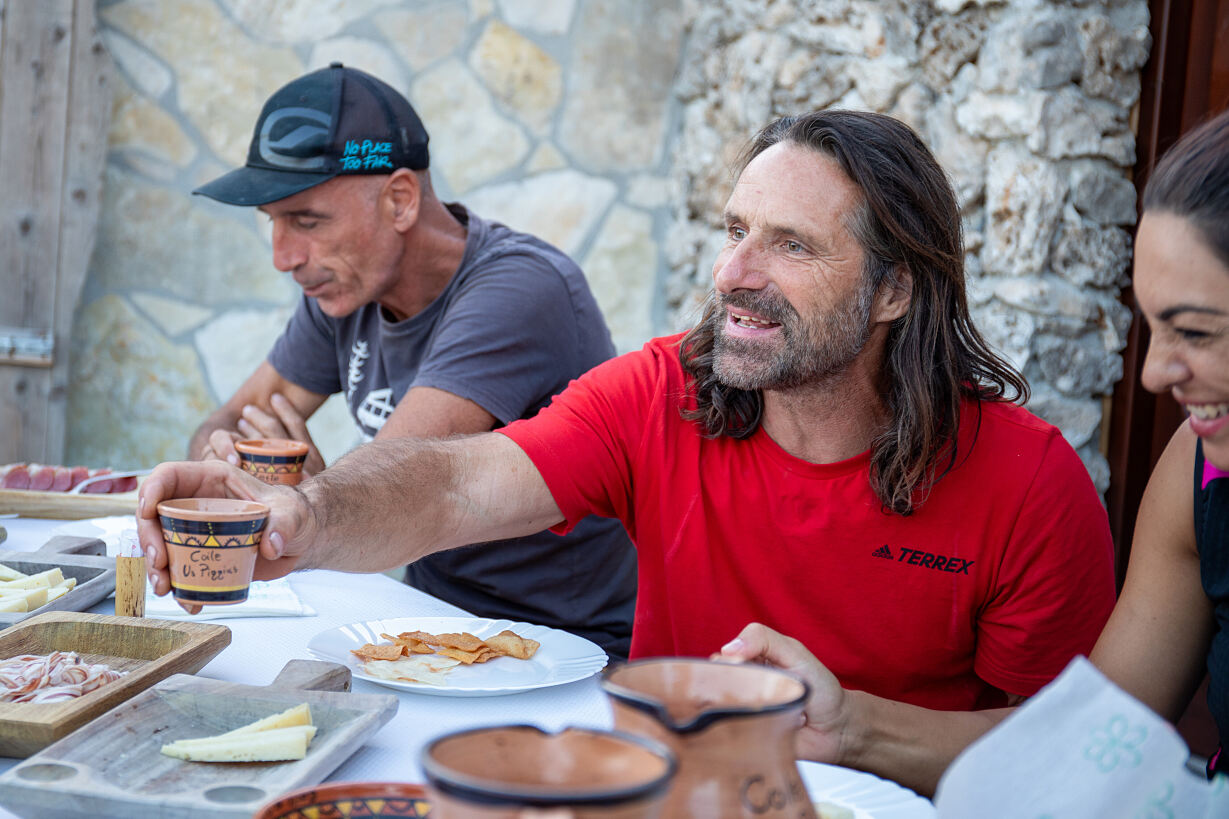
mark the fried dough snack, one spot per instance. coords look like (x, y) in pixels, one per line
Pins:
(464, 646)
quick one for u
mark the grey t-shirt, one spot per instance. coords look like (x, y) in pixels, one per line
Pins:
(515, 324)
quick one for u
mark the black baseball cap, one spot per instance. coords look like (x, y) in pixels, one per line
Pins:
(327, 123)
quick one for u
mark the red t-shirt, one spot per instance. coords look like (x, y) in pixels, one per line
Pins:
(1001, 576)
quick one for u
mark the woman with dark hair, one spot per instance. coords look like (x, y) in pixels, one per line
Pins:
(1171, 622)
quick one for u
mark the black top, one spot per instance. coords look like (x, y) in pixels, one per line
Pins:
(1212, 541)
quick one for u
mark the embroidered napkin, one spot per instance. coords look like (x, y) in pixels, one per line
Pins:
(1081, 748)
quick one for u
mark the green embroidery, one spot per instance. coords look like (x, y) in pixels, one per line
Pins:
(1157, 806)
(1117, 743)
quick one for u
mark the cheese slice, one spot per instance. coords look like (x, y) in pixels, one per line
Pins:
(42, 580)
(33, 597)
(273, 745)
(9, 573)
(299, 715)
(60, 589)
(13, 604)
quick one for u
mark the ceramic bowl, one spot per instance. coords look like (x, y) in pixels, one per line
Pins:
(512, 771)
(337, 800)
(273, 460)
(211, 544)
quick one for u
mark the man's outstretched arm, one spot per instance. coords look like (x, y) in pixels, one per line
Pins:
(385, 504)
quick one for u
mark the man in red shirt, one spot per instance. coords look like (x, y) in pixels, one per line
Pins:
(830, 451)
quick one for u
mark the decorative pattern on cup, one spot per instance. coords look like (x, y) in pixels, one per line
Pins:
(211, 546)
(273, 460)
(341, 799)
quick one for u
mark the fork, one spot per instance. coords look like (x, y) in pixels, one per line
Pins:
(109, 476)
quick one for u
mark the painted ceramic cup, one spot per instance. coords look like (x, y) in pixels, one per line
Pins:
(732, 727)
(273, 460)
(211, 545)
(516, 771)
(339, 799)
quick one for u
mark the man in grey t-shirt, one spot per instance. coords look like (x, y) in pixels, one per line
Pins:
(431, 321)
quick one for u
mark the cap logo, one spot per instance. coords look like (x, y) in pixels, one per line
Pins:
(304, 147)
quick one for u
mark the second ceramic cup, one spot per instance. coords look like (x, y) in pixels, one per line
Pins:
(211, 547)
(273, 460)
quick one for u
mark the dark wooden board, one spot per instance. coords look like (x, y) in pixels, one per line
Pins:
(114, 765)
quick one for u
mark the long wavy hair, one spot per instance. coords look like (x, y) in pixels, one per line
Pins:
(935, 358)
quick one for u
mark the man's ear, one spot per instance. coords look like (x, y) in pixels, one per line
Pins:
(401, 197)
(894, 295)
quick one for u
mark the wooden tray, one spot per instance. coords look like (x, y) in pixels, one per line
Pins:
(81, 557)
(63, 506)
(114, 767)
(149, 650)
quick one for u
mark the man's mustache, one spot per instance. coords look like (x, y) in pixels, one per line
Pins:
(770, 306)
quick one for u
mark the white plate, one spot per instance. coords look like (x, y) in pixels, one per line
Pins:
(868, 796)
(561, 658)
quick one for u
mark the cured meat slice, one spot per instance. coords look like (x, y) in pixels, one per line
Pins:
(79, 473)
(101, 487)
(41, 477)
(15, 476)
(62, 480)
(127, 484)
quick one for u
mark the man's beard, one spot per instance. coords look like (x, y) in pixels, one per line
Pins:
(805, 352)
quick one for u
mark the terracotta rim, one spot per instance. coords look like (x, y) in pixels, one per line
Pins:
(272, 446)
(708, 716)
(482, 791)
(301, 798)
(215, 509)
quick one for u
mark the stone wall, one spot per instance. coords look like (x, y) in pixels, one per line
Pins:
(554, 116)
(608, 127)
(1026, 103)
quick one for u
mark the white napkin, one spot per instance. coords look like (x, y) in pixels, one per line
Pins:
(266, 598)
(1081, 748)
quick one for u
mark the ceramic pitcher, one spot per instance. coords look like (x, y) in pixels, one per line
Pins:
(522, 772)
(731, 726)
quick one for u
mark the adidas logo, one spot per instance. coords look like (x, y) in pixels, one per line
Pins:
(883, 551)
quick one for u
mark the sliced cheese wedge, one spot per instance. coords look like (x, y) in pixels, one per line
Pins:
(13, 604)
(60, 589)
(33, 597)
(42, 580)
(273, 745)
(9, 573)
(299, 715)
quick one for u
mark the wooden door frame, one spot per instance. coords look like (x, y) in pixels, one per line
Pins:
(1185, 81)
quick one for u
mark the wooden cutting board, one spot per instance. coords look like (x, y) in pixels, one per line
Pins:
(148, 650)
(114, 767)
(63, 506)
(83, 558)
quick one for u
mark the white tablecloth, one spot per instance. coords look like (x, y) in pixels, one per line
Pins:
(261, 646)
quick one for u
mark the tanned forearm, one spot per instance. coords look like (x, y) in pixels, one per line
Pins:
(393, 501)
(908, 744)
(383, 505)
